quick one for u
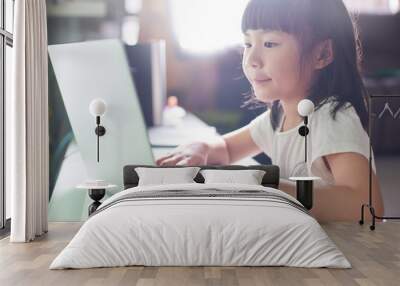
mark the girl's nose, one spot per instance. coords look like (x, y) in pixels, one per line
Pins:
(254, 60)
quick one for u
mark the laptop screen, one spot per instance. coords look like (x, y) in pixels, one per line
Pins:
(99, 69)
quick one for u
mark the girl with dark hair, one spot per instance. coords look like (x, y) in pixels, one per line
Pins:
(297, 49)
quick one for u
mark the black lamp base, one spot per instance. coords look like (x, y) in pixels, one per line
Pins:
(96, 195)
(304, 193)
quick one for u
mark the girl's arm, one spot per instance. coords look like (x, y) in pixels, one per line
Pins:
(232, 147)
(342, 201)
(224, 150)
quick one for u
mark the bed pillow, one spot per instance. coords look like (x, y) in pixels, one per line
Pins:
(248, 177)
(163, 176)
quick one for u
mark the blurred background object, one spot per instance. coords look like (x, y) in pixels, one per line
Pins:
(173, 114)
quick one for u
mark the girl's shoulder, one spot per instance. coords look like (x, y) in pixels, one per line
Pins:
(343, 115)
(345, 125)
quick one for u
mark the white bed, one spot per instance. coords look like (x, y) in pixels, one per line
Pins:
(203, 231)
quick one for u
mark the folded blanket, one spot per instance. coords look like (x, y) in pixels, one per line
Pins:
(205, 193)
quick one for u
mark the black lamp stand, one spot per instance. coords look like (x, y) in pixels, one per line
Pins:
(370, 205)
(100, 131)
(303, 131)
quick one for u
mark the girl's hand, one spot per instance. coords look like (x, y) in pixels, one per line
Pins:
(192, 154)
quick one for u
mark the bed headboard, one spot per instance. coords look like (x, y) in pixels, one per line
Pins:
(270, 179)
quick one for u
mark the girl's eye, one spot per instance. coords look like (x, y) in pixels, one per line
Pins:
(270, 44)
(247, 45)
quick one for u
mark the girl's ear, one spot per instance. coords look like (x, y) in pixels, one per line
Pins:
(323, 54)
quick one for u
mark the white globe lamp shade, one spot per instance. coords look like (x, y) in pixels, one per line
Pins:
(97, 107)
(305, 107)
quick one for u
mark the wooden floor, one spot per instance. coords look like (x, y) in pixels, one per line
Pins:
(375, 257)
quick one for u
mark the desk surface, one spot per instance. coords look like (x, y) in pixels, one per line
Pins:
(191, 129)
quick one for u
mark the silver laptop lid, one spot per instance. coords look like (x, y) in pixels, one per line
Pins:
(99, 69)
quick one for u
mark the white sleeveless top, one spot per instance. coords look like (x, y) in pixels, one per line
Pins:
(327, 136)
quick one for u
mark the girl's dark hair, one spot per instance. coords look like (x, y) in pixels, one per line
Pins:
(313, 21)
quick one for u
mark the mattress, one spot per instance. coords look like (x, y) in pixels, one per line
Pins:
(201, 225)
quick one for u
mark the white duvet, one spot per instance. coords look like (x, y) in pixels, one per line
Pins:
(200, 231)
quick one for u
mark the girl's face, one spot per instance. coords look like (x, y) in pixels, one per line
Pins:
(271, 62)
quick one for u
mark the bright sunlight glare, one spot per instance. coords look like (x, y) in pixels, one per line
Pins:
(204, 26)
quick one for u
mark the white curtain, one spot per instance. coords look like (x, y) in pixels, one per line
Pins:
(27, 123)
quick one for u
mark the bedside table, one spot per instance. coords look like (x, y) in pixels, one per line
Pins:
(96, 193)
(304, 190)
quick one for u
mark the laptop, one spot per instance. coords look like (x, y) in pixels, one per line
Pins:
(99, 69)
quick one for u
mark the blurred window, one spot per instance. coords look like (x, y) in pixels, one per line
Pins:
(373, 6)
